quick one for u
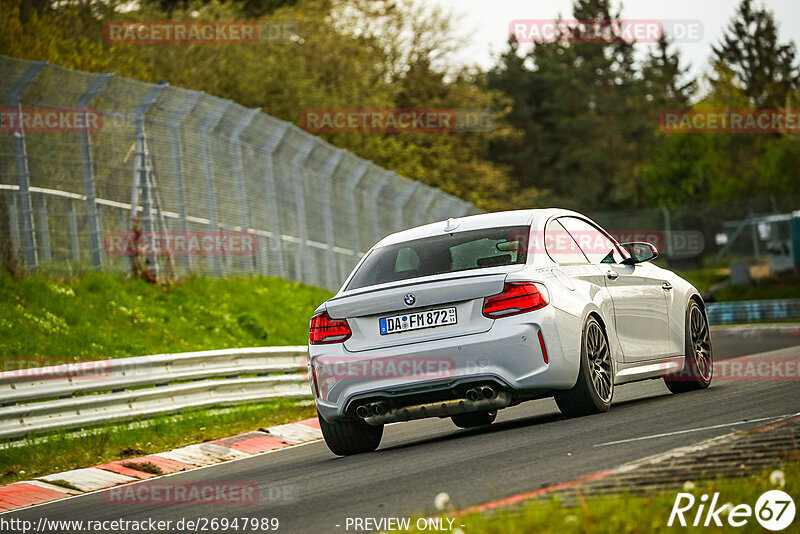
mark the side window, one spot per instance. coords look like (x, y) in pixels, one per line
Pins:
(592, 241)
(560, 245)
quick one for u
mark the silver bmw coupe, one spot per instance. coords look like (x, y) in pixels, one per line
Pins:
(464, 317)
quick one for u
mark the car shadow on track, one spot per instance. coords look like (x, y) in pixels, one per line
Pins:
(521, 422)
(459, 433)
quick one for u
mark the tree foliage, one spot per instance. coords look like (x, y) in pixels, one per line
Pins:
(577, 122)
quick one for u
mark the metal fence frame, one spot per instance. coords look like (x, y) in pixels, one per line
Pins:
(199, 162)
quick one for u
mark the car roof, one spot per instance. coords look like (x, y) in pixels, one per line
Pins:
(475, 222)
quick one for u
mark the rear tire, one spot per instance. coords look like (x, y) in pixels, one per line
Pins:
(473, 419)
(594, 389)
(698, 365)
(344, 438)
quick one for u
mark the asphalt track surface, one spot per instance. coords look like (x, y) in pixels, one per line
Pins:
(528, 447)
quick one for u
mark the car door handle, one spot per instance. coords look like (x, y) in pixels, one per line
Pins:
(612, 275)
(666, 285)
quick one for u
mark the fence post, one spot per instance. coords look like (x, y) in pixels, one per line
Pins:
(667, 231)
(377, 212)
(211, 197)
(271, 192)
(238, 175)
(425, 208)
(177, 160)
(72, 229)
(13, 219)
(452, 208)
(142, 168)
(299, 161)
(465, 206)
(44, 229)
(754, 237)
(92, 214)
(352, 184)
(401, 201)
(123, 229)
(23, 173)
(334, 276)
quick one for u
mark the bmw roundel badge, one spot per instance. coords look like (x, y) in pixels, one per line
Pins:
(409, 299)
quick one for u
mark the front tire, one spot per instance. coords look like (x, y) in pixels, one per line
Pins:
(594, 389)
(344, 438)
(698, 365)
(473, 419)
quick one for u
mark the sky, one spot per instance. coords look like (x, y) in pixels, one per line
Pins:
(486, 22)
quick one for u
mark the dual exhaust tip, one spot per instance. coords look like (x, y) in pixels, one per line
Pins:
(475, 394)
(373, 408)
(480, 393)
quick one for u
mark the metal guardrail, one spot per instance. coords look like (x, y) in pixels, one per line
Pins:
(750, 311)
(79, 395)
(71, 396)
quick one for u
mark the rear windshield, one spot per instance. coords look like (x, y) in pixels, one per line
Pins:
(446, 253)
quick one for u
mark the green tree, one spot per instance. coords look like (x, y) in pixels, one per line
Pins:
(764, 68)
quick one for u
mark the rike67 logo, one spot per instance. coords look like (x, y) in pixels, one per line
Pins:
(774, 510)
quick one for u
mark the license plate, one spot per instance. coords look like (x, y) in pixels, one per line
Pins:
(417, 320)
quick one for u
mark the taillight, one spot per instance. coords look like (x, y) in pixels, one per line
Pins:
(323, 330)
(517, 297)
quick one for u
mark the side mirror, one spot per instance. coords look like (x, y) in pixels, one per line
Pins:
(640, 252)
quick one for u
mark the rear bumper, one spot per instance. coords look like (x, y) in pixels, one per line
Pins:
(508, 355)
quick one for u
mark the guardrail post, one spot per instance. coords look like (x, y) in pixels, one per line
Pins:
(238, 175)
(334, 276)
(271, 195)
(211, 196)
(95, 230)
(44, 229)
(299, 161)
(352, 184)
(400, 202)
(72, 230)
(23, 173)
(177, 159)
(142, 168)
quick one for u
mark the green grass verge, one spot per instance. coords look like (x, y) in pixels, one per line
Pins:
(703, 279)
(788, 288)
(625, 513)
(45, 321)
(63, 451)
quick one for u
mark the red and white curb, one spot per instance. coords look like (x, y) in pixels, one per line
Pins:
(50, 487)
